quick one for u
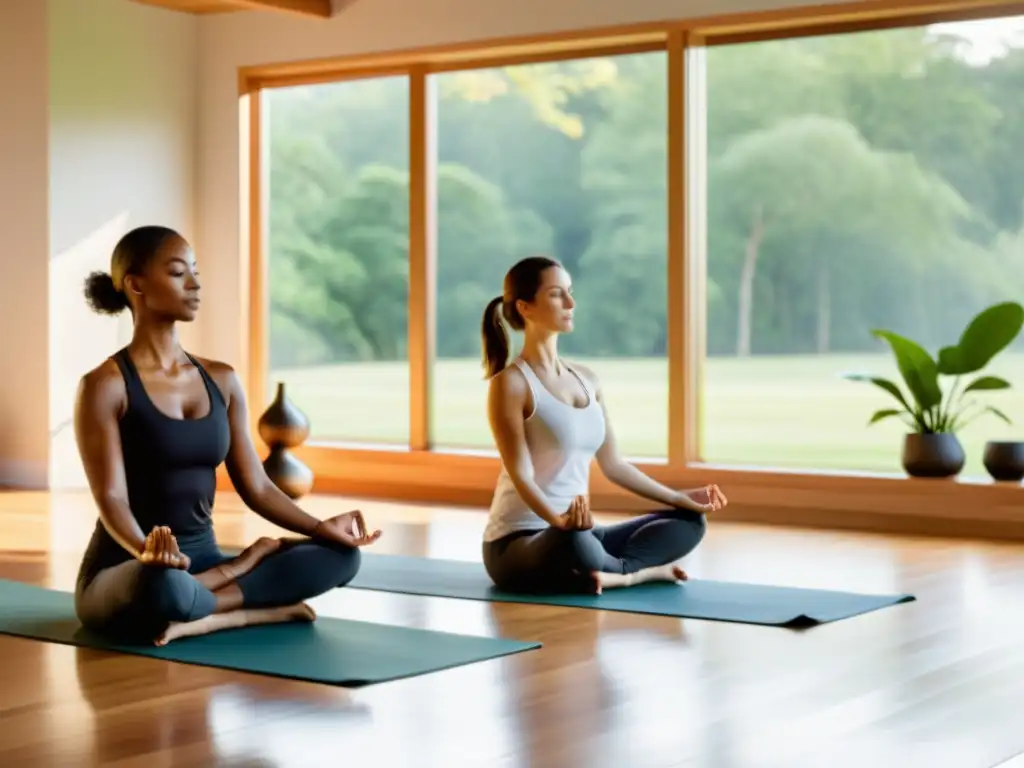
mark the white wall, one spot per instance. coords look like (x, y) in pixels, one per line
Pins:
(99, 132)
(232, 40)
(23, 242)
(122, 153)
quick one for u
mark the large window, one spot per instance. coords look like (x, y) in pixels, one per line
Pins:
(567, 159)
(855, 181)
(339, 255)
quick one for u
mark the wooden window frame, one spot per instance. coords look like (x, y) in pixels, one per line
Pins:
(418, 472)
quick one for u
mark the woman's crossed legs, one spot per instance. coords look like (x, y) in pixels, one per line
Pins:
(632, 552)
(266, 583)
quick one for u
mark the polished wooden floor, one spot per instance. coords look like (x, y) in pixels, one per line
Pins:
(937, 682)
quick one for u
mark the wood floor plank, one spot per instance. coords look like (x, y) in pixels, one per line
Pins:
(932, 683)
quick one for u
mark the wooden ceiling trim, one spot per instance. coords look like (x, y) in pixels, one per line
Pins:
(320, 9)
(317, 8)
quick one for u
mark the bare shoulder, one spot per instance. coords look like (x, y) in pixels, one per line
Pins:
(587, 373)
(103, 387)
(223, 375)
(510, 383)
(509, 395)
(216, 367)
(509, 400)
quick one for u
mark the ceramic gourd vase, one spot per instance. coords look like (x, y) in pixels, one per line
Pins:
(283, 427)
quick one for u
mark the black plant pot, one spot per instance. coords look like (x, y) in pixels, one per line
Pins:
(1004, 460)
(933, 455)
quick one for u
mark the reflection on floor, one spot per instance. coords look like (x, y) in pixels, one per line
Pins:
(933, 683)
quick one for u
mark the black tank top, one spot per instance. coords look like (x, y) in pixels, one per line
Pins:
(170, 464)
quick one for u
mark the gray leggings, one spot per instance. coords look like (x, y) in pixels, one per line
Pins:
(133, 602)
(555, 560)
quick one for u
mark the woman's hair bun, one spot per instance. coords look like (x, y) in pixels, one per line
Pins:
(103, 296)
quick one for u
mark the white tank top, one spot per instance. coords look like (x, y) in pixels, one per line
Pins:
(562, 440)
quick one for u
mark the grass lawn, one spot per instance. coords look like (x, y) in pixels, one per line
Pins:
(784, 412)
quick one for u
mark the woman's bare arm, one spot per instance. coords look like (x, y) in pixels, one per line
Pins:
(99, 403)
(619, 471)
(507, 398)
(244, 467)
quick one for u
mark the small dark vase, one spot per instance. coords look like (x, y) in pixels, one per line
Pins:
(933, 455)
(282, 427)
(1004, 460)
(288, 473)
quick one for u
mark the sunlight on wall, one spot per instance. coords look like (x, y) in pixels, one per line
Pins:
(79, 340)
(122, 148)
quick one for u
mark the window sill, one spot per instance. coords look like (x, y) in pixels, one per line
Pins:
(960, 507)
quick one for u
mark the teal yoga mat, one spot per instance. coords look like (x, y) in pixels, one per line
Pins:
(332, 651)
(694, 599)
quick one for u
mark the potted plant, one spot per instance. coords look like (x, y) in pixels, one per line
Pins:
(934, 416)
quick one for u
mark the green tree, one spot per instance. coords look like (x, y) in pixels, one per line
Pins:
(813, 195)
(621, 276)
(339, 267)
(478, 236)
(855, 180)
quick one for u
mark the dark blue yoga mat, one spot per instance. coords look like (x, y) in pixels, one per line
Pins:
(333, 651)
(694, 599)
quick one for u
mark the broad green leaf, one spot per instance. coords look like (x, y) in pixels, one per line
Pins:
(917, 367)
(951, 361)
(885, 413)
(984, 337)
(885, 384)
(987, 382)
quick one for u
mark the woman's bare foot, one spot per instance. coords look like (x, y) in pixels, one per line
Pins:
(244, 617)
(250, 557)
(222, 575)
(668, 572)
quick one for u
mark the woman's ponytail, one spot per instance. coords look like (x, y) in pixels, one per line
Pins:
(521, 284)
(495, 339)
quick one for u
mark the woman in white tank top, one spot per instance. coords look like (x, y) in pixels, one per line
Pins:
(549, 422)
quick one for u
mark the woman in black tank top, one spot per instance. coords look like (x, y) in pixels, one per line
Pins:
(153, 423)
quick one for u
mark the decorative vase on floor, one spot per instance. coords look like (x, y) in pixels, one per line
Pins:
(1004, 460)
(933, 455)
(282, 427)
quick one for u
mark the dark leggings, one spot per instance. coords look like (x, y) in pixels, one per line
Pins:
(133, 602)
(556, 560)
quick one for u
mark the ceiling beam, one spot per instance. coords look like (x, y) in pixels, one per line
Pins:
(190, 6)
(318, 8)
